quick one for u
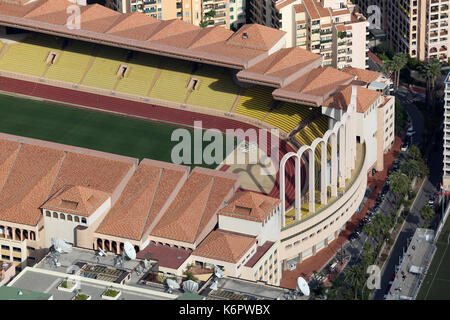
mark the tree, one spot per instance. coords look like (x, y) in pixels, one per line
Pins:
(427, 213)
(414, 152)
(411, 168)
(399, 61)
(207, 19)
(399, 184)
(355, 276)
(431, 70)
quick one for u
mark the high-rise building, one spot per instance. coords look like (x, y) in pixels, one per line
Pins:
(417, 27)
(331, 28)
(446, 177)
(229, 13)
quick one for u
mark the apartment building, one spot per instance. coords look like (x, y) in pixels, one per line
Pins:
(228, 13)
(331, 28)
(417, 27)
(446, 177)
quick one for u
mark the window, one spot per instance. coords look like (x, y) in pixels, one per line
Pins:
(17, 259)
(83, 220)
(69, 218)
(48, 214)
(17, 249)
(5, 247)
(77, 219)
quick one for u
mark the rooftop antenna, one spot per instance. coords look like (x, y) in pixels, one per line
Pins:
(129, 251)
(302, 286)
(172, 284)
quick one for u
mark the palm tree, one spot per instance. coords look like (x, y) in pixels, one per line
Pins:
(399, 61)
(431, 70)
(354, 275)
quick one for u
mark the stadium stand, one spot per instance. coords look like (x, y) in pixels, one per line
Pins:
(72, 62)
(105, 68)
(288, 117)
(173, 81)
(142, 70)
(255, 102)
(30, 55)
(216, 89)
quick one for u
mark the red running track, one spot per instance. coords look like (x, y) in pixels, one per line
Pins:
(151, 112)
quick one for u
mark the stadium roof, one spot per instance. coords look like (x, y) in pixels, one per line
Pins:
(365, 76)
(143, 199)
(137, 31)
(225, 246)
(282, 67)
(31, 171)
(314, 87)
(195, 205)
(364, 98)
(249, 205)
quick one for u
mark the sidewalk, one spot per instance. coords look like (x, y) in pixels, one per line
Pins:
(317, 262)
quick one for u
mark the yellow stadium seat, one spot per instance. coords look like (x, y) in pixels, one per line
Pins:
(216, 89)
(29, 56)
(142, 70)
(288, 117)
(103, 72)
(72, 62)
(255, 102)
(173, 81)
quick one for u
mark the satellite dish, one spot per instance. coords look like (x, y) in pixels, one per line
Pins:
(101, 252)
(218, 272)
(129, 251)
(4, 265)
(172, 284)
(61, 246)
(214, 286)
(190, 286)
(146, 263)
(302, 286)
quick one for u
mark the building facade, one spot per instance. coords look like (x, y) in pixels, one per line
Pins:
(330, 28)
(446, 177)
(417, 27)
(228, 13)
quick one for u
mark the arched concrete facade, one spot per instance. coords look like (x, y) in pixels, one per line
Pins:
(344, 133)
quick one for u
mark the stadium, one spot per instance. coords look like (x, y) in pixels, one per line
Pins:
(333, 128)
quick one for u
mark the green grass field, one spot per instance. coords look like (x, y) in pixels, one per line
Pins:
(436, 285)
(88, 129)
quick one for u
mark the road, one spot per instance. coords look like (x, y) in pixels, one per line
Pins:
(430, 188)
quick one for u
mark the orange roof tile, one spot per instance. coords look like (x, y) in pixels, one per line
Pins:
(225, 246)
(256, 36)
(250, 206)
(77, 200)
(142, 200)
(366, 76)
(341, 99)
(190, 212)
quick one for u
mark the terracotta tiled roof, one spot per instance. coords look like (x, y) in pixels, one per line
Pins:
(168, 257)
(366, 76)
(142, 200)
(28, 183)
(31, 172)
(365, 98)
(195, 205)
(256, 36)
(140, 32)
(77, 200)
(225, 246)
(249, 205)
(278, 67)
(314, 87)
(260, 252)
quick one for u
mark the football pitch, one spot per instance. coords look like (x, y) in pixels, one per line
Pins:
(436, 285)
(90, 129)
